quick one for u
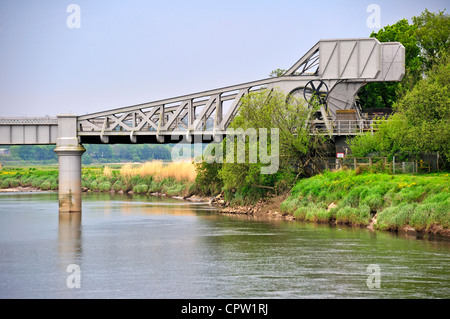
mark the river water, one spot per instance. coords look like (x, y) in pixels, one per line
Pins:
(140, 247)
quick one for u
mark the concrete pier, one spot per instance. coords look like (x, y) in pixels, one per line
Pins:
(69, 153)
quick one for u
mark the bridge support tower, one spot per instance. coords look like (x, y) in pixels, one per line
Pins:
(69, 152)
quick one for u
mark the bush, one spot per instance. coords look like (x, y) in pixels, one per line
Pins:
(374, 201)
(94, 186)
(395, 216)
(14, 182)
(36, 182)
(5, 183)
(105, 186)
(86, 183)
(25, 180)
(174, 189)
(140, 189)
(46, 185)
(117, 186)
(54, 184)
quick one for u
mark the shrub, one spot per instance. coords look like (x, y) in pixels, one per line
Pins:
(54, 184)
(374, 201)
(395, 216)
(36, 182)
(25, 180)
(346, 214)
(105, 186)
(140, 189)
(45, 185)
(94, 186)
(5, 183)
(117, 186)
(14, 182)
(174, 189)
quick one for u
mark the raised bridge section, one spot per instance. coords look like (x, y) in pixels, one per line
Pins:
(331, 72)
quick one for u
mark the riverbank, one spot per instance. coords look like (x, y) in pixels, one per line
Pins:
(378, 201)
(20, 189)
(399, 203)
(174, 180)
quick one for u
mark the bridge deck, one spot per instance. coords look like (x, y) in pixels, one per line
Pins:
(33, 130)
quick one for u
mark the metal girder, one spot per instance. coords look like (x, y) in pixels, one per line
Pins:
(32, 131)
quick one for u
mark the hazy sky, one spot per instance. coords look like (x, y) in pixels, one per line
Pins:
(136, 51)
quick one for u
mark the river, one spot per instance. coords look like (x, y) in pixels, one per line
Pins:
(141, 247)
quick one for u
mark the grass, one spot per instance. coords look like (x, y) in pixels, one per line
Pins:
(179, 171)
(45, 178)
(419, 201)
(174, 179)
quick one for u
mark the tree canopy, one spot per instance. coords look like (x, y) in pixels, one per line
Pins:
(426, 41)
(421, 122)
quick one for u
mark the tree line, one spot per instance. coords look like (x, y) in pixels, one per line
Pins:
(95, 153)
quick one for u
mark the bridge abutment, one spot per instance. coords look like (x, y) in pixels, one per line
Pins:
(69, 152)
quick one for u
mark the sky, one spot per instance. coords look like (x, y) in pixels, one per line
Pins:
(99, 55)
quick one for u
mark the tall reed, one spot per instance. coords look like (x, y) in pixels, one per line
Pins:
(180, 171)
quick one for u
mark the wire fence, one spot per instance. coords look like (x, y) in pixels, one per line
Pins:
(421, 163)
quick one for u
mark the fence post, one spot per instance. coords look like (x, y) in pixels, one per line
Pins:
(437, 162)
(354, 162)
(393, 164)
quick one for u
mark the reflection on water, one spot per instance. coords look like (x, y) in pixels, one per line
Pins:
(69, 234)
(141, 247)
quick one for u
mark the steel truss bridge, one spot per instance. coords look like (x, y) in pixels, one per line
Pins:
(333, 70)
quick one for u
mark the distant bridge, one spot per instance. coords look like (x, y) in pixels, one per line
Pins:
(330, 73)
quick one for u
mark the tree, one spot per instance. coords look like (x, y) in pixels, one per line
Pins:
(276, 73)
(426, 41)
(384, 94)
(298, 150)
(433, 36)
(421, 122)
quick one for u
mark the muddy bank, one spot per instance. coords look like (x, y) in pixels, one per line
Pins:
(265, 208)
(21, 189)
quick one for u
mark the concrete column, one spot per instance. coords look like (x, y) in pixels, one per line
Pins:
(69, 153)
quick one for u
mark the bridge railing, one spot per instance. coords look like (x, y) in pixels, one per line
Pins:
(28, 121)
(345, 127)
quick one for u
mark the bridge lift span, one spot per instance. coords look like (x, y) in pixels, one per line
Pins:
(332, 72)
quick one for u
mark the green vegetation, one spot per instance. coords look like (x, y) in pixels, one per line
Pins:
(421, 101)
(176, 179)
(346, 197)
(45, 179)
(421, 123)
(426, 41)
(297, 149)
